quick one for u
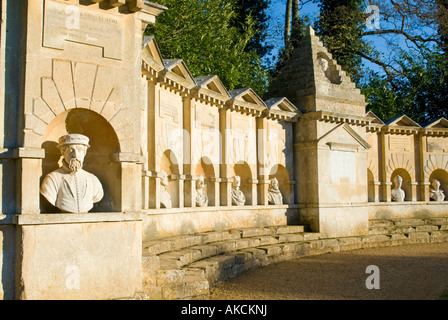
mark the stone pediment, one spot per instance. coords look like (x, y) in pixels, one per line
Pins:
(281, 109)
(246, 101)
(441, 123)
(210, 88)
(438, 127)
(402, 125)
(177, 70)
(375, 122)
(402, 121)
(344, 138)
(152, 60)
(375, 119)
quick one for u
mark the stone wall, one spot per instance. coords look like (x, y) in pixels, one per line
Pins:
(156, 132)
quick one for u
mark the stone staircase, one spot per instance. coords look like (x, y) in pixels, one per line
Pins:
(185, 267)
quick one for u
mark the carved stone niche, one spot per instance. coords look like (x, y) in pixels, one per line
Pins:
(103, 145)
(329, 68)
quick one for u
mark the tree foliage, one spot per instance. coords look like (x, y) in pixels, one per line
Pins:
(340, 28)
(257, 10)
(212, 39)
(421, 91)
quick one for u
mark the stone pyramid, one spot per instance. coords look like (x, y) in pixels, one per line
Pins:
(313, 81)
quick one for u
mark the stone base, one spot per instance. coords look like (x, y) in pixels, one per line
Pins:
(407, 210)
(184, 221)
(77, 256)
(341, 221)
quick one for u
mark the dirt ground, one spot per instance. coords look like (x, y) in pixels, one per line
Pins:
(418, 271)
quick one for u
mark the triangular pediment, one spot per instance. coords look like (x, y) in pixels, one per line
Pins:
(375, 118)
(246, 95)
(281, 104)
(281, 109)
(211, 83)
(151, 55)
(344, 138)
(402, 121)
(246, 101)
(179, 71)
(441, 123)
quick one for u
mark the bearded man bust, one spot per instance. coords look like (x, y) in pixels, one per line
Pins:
(70, 188)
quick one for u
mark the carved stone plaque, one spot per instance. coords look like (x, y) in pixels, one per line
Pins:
(75, 23)
(170, 105)
(400, 142)
(439, 144)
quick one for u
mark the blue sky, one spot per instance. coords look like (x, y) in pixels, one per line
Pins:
(277, 14)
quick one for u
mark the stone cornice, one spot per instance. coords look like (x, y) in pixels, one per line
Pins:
(334, 117)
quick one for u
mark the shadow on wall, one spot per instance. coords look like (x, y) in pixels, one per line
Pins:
(98, 161)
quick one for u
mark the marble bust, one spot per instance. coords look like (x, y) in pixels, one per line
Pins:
(201, 195)
(274, 194)
(70, 188)
(398, 194)
(436, 193)
(238, 197)
(165, 197)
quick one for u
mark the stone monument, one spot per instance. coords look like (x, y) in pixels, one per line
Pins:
(274, 194)
(165, 198)
(436, 193)
(70, 188)
(201, 195)
(238, 197)
(398, 194)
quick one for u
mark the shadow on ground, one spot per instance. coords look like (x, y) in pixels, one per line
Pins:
(418, 271)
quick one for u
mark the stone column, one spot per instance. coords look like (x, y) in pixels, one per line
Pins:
(131, 186)
(263, 174)
(28, 173)
(214, 201)
(146, 175)
(189, 191)
(189, 110)
(387, 191)
(180, 184)
(226, 179)
(153, 129)
(425, 190)
(263, 186)
(292, 184)
(414, 186)
(253, 183)
(376, 190)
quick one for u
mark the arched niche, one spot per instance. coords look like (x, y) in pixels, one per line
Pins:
(103, 142)
(243, 170)
(206, 169)
(406, 185)
(442, 176)
(329, 68)
(169, 163)
(281, 174)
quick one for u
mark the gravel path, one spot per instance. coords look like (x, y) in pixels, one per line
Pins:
(418, 271)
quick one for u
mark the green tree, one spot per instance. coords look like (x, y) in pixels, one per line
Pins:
(340, 28)
(256, 10)
(204, 34)
(420, 91)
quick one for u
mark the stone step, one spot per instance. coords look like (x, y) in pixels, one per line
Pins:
(180, 258)
(155, 247)
(406, 226)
